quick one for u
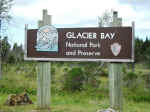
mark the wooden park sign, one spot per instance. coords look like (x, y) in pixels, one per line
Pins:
(109, 44)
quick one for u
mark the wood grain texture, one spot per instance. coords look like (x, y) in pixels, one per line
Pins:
(115, 85)
(44, 74)
(115, 77)
(43, 78)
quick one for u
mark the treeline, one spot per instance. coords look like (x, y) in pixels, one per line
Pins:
(11, 53)
(142, 50)
(15, 53)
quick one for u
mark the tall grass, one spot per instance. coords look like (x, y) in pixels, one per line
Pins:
(20, 77)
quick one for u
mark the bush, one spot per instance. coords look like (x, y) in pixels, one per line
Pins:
(140, 98)
(74, 79)
(103, 73)
(138, 95)
(131, 76)
(130, 79)
(11, 59)
(6, 90)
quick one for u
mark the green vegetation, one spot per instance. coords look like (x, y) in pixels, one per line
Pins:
(76, 87)
(142, 50)
(74, 80)
(88, 98)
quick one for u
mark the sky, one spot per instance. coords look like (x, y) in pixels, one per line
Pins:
(77, 13)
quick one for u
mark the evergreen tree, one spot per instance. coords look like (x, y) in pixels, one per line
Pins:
(138, 49)
(5, 48)
(18, 53)
(145, 44)
(5, 6)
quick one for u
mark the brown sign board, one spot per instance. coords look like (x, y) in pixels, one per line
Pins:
(108, 44)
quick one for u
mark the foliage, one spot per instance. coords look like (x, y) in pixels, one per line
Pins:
(9, 55)
(74, 79)
(130, 76)
(138, 94)
(138, 49)
(92, 73)
(142, 50)
(17, 52)
(5, 6)
(90, 76)
(130, 79)
(5, 48)
(75, 102)
(5, 90)
(147, 55)
(11, 59)
(140, 98)
(21, 76)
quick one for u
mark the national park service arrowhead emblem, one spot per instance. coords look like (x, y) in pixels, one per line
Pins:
(115, 48)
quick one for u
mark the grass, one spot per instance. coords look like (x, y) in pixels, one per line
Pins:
(61, 101)
(77, 102)
(20, 108)
(131, 106)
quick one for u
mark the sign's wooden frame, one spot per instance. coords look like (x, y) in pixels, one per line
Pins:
(80, 59)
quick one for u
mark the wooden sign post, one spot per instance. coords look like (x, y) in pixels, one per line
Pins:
(115, 75)
(109, 44)
(44, 73)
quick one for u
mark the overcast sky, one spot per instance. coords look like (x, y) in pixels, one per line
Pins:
(77, 13)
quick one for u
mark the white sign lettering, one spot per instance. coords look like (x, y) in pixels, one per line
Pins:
(107, 35)
(84, 35)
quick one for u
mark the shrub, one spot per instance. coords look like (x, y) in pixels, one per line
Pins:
(74, 79)
(11, 59)
(140, 98)
(138, 95)
(130, 79)
(103, 72)
(6, 90)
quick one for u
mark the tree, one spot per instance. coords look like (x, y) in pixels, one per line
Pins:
(17, 52)
(142, 50)
(145, 44)
(138, 49)
(146, 50)
(147, 54)
(5, 6)
(5, 48)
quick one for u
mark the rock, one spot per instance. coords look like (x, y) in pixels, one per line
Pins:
(18, 99)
